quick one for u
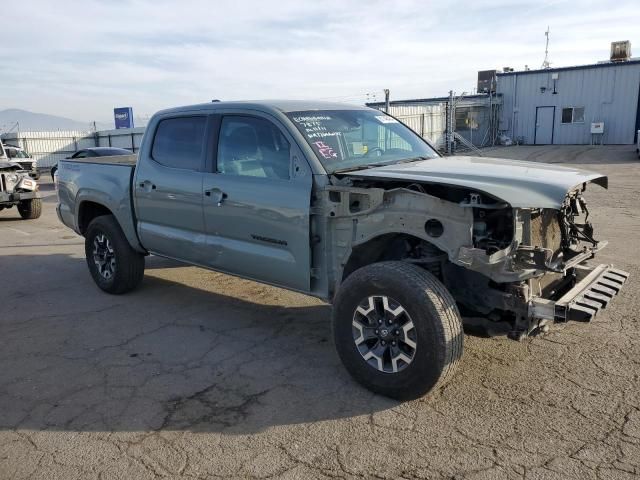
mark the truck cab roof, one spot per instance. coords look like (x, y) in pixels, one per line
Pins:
(269, 106)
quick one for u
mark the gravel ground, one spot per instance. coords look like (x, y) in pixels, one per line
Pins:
(202, 375)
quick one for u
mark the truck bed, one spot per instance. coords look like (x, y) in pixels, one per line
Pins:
(106, 181)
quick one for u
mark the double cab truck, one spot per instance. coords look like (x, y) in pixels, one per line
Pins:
(348, 204)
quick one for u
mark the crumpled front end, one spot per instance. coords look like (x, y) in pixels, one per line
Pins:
(509, 244)
(16, 186)
(517, 244)
(542, 275)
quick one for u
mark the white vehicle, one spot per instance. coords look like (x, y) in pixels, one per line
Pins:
(19, 156)
(18, 190)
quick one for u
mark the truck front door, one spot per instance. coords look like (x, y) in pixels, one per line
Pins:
(257, 201)
(168, 188)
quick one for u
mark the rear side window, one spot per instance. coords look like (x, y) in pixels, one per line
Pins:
(179, 142)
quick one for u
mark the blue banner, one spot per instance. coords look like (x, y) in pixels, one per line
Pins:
(123, 117)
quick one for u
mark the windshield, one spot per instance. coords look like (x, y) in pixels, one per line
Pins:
(353, 139)
(15, 153)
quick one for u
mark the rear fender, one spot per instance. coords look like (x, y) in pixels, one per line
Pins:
(120, 208)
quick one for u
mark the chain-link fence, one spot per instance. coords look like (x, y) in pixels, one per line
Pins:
(472, 125)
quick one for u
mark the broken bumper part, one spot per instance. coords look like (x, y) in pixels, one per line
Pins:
(593, 291)
(16, 197)
(591, 294)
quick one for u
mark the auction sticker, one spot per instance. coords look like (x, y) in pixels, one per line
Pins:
(386, 119)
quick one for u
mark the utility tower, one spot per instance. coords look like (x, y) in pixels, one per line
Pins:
(546, 63)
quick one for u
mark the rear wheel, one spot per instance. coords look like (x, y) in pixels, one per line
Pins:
(30, 209)
(114, 265)
(397, 329)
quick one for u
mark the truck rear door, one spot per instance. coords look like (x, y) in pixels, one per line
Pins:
(257, 202)
(168, 187)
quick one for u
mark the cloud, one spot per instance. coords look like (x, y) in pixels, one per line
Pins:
(82, 59)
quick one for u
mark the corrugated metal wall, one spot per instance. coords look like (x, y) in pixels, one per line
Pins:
(608, 94)
(427, 120)
(49, 147)
(129, 138)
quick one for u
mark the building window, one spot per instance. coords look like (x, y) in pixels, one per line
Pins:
(573, 115)
(467, 118)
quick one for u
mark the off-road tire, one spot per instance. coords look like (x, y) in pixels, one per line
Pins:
(435, 316)
(129, 264)
(30, 209)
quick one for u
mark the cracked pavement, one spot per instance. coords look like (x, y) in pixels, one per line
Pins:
(202, 375)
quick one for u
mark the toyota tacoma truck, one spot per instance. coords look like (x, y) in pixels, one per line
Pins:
(348, 204)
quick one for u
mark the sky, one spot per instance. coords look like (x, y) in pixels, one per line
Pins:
(82, 59)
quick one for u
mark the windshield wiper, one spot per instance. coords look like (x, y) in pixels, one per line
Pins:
(380, 164)
(409, 160)
(353, 169)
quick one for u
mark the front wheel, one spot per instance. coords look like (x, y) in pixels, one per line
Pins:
(397, 329)
(114, 265)
(30, 209)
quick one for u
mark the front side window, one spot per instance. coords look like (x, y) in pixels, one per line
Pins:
(352, 139)
(11, 153)
(573, 115)
(253, 147)
(179, 142)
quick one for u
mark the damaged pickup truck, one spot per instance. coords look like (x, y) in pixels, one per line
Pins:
(348, 204)
(18, 189)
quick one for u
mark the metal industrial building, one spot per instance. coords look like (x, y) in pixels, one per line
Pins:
(572, 105)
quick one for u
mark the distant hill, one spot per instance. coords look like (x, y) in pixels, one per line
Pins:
(38, 121)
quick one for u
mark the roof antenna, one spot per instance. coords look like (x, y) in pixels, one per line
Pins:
(546, 63)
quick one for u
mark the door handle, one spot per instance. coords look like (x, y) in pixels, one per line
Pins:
(147, 185)
(218, 195)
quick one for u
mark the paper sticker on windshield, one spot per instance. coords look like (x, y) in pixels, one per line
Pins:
(386, 119)
(325, 150)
